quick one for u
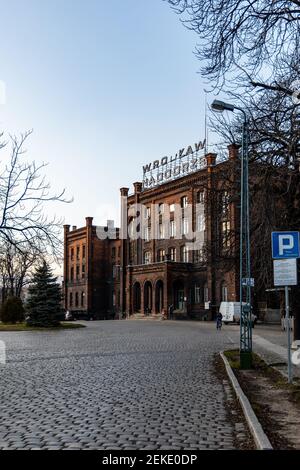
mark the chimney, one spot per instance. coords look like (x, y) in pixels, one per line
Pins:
(137, 187)
(67, 228)
(124, 192)
(233, 151)
(74, 228)
(89, 221)
(211, 159)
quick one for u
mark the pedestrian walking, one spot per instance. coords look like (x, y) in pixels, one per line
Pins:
(171, 312)
(219, 321)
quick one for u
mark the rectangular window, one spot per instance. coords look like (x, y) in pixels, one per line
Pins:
(200, 222)
(114, 272)
(184, 254)
(71, 300)
(206, 294)
(77, 272)
(172, 254)
(224, 293)
(185, 226)
(226, 234)
(83, 251)
(147, 257)
(172, 229)
(72, 274)
(161, 208)
(172, 208)
(113, 252)
(161, 255)
(72, 254)
(200, 197)
(184, 202)
(147, 234)
(161, 231)
(199, 256)
(78, 252)
(197, 295)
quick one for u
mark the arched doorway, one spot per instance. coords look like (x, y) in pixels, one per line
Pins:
(136, 297)
(148, 297)
(178, 295)
(159, 296)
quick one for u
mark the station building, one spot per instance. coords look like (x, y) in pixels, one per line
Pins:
(177, 245)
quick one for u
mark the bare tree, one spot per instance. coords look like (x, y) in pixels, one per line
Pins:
(16, 266)
(240, 37)
(24, 193)
(274, 175)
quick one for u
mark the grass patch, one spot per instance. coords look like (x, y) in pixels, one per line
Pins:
(24, 327)
(268, 371)
(233, 357)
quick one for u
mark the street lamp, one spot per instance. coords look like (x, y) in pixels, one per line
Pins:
(245, 266)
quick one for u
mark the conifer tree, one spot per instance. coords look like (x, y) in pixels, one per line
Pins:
(44, 301)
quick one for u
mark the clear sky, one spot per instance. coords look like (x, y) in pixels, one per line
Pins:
(107, 85)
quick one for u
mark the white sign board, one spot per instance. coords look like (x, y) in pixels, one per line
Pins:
(285, 272)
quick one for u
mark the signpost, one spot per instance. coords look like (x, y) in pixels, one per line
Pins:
(285, 251)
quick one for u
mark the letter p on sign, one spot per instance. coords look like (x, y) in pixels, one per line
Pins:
(286, 242)
(285, 245)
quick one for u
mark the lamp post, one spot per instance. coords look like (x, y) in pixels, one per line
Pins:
(245, 265)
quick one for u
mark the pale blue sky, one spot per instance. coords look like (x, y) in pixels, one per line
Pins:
(107, 85)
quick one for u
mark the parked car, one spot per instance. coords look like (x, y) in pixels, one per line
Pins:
(231, 313)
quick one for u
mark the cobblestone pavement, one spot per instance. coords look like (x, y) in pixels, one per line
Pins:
(116, 385)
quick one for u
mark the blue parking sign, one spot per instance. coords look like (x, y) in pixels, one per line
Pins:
(285, 245)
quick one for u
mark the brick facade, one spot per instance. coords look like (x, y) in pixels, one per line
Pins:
(90, 281)
(137, 275)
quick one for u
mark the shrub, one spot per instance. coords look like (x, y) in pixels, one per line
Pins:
(12, 310)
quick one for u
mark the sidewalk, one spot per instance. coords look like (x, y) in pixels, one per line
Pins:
(273, 353)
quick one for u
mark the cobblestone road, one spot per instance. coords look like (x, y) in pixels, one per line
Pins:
(116, 385)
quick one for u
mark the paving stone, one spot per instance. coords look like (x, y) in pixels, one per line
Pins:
(116, 385)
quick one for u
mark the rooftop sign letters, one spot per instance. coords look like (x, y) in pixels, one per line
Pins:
(186, 161)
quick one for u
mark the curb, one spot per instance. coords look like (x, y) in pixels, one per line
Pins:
(261, 440)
